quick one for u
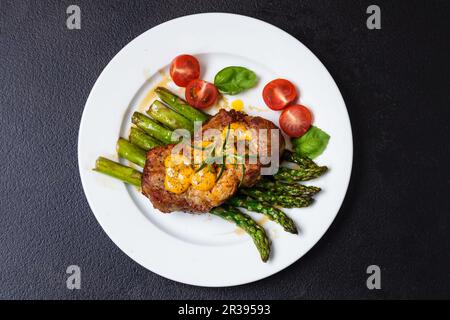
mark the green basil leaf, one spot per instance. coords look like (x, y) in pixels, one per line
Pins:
(312, 143)
(233, 80)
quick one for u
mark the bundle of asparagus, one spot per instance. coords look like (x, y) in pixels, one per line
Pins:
(281, 190)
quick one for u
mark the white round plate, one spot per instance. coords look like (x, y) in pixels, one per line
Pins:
(205, 250)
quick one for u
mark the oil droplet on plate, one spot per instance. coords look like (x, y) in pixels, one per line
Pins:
(274, 234)
(151, 96)
(221, 103)
(257, 109)
(263, 220)
(239, 231)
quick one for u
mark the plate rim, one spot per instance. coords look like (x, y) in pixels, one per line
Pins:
(250, 278)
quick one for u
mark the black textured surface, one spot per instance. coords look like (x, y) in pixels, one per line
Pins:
(395, 82)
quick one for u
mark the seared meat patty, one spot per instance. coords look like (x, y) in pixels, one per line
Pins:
(192, 199)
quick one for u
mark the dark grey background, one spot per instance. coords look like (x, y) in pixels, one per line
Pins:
(395, 82)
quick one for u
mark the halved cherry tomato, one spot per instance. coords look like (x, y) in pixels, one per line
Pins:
(201, 94)
(279, 93)
(295, 120)
(183, 69)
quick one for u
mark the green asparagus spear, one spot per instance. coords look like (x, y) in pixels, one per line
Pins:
(246, 223)
(119, 171)
(152, 128)
(292, 175)
(302, 161)
(168, 117)
(276, 199)
(142, 140)
(129, 151)
(180, 105)
(292, 189)
(266, 209)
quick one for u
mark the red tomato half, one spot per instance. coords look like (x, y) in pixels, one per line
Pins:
(295, 120)
(279, 93)
(201, 94)
(183, 69)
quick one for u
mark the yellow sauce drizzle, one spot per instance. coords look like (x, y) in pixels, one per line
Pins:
(237, 105)
(151, 96)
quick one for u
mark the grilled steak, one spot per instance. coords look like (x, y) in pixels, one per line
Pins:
(194, 200)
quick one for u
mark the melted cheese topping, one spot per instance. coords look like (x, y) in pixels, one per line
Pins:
(178, 173)
(238, 130)
(201, 151)
(204, 180)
